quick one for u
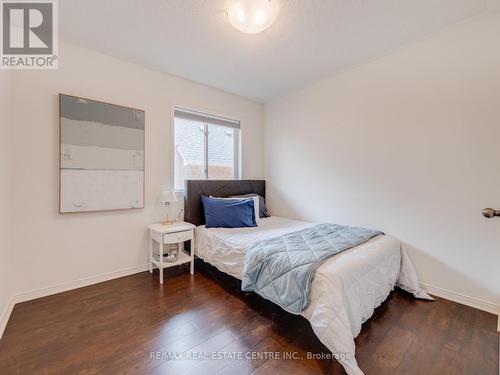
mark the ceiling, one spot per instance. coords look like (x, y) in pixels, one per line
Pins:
(311, 39)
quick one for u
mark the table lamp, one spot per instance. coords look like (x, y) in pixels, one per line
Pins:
(167, 197)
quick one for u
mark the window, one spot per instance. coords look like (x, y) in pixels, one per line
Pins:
(205, 147)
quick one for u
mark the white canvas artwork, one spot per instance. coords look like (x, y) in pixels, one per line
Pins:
(102, 156)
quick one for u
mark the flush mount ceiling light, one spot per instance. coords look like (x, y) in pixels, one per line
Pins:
(252, 16)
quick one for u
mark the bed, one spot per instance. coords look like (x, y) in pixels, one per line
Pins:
(346, 288)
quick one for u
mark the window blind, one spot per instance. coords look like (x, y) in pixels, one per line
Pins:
(188, 114)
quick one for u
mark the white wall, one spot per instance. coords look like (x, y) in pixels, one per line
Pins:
(5, 197)
(409, 144)
(53, 249)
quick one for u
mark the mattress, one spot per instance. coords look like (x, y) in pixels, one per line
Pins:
(225, 248)
(345, 290)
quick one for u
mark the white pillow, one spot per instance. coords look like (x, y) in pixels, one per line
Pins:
(255, 205)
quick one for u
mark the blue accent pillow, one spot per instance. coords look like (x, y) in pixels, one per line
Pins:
(228, 213)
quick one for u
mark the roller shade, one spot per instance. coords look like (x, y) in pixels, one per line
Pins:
(191, 115)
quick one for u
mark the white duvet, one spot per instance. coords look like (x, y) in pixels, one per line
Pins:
(345, 290)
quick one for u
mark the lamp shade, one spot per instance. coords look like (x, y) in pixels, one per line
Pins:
(167, 196)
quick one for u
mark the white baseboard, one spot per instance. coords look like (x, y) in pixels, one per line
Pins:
(80, 283)
(4, 318)
(477, 303)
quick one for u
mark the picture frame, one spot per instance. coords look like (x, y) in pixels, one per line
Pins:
(101, 156)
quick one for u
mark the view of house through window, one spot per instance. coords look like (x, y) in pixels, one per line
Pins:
(205, 147)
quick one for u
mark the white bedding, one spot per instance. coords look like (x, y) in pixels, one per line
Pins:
(345, 290)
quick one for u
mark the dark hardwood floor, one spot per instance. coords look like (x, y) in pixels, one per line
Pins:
(112, 328)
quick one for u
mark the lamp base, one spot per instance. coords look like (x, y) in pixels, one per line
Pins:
(167, 220)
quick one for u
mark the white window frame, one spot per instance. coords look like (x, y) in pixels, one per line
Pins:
(208, 115)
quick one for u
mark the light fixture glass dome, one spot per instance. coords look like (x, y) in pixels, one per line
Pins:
(252, 16)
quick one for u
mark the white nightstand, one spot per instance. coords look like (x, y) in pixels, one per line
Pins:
(175, 233)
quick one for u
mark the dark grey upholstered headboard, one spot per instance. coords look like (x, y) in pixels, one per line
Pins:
(195, 189)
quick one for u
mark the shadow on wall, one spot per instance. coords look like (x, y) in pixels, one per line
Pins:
(434, 266)
(444, 279)
(287, 209)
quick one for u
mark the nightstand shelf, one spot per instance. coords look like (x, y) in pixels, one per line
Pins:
(183, 257)
(176, 233)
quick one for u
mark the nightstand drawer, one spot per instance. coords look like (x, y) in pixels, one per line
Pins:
(178, 237)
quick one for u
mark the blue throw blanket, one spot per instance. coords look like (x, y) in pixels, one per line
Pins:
(281, 269)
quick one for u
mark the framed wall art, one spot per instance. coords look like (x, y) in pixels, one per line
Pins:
(101, 156)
